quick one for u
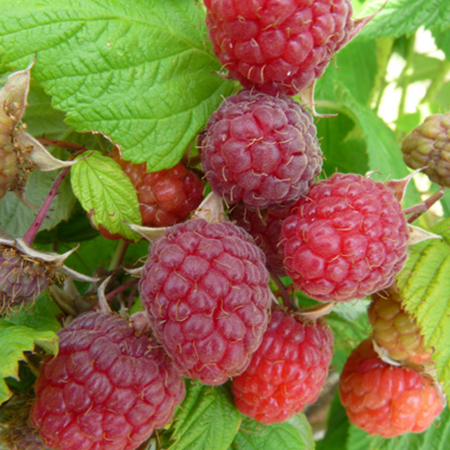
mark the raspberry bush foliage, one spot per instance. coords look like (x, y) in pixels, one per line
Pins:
(365, 94)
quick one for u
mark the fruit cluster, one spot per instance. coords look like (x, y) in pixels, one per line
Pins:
(210, 313)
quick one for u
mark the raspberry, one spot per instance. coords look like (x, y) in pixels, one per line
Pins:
(345, 240)
(9, 169)
(287, 371)
(279, 46)
(166, 197)
(395, 330)
(384, 399)
(429, 146)
(22, 278)
(265, 228)
(205, 289)
(107, 388)
(260, 150)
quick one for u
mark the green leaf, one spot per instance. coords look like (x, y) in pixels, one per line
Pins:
(279, 436)
(400, 17)
(442, 40)
(141, 71)
(350, 326)
(425, 287)
(40, 118)
(16, 217)
(207, 419)
(16, 340)
(106, 193)
(41, 316)
(337, 427)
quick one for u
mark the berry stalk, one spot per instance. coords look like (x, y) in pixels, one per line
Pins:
(42, 214)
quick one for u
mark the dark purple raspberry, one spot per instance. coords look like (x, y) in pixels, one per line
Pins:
(265, 228)
(22, 278)
(428, 147)
(347, 239)
(278, 46)
(287, 371)
(205, 289)
(260, 150)
(107, 389)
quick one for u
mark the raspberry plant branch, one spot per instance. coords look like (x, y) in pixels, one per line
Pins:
(288, 300)
(119, 254)
(121, 288)
(42, 213)
(418, 210)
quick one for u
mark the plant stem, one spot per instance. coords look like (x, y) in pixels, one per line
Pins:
(437, 82)
(120, 289)
(419, 209)
(119, 254)
(288, 301)
(63, 144)
(42, 214)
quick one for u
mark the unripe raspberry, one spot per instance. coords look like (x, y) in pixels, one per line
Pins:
(22, 278)
(107, 388)
(265, 228)
(346, 239)
(16, 431)
(287, 371)
(205, 289)
(9, 169)
(429, 146)
(395, 330)
(260, 150)
(278, 46)
(384, 399)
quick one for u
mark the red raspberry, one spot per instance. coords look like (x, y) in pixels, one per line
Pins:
(287, 371)
(384, 399)
(165, 198)
(347, 239)
(265, 228)
(107, 388)
(279, 46)
(395, 330)
(260, 150)
(205, 289)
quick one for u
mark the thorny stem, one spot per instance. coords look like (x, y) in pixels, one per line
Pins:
(288, 301)
(42, 214)
(63, 144)
(119, 254)
(424, 206)
(120, 289)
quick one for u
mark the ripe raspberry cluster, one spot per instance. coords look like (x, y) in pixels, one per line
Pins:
(205, 286)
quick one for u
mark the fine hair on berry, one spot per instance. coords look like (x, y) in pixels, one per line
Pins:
(108, 388)
(260, 150)
(346, 239)
(205, 290)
